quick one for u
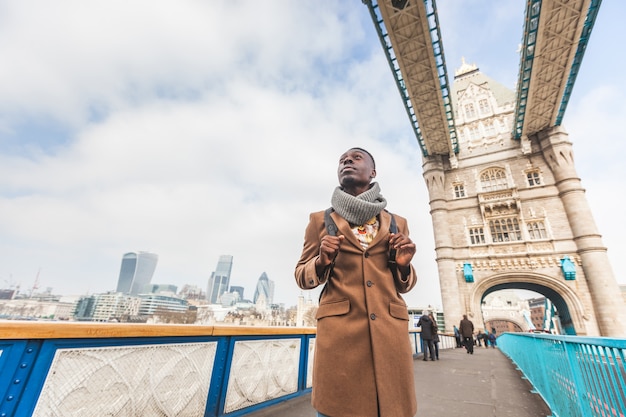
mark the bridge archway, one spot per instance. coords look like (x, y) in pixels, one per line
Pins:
(571, 310)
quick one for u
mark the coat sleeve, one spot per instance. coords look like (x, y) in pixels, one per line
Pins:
(404, 282)
(305, 273)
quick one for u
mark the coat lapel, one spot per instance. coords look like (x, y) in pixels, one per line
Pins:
(344, 229)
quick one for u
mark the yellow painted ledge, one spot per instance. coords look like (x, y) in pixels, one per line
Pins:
(13, 329)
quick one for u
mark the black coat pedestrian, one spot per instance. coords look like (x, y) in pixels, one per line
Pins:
(427, 327)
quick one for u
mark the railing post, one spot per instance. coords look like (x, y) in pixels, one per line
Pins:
(304, 361)
(219, 383)
(24, 356)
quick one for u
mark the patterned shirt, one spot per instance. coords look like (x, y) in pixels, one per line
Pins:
(367, 232)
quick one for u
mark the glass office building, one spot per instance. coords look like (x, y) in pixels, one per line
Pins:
(136, 272)
(265, 289)
(220, 279)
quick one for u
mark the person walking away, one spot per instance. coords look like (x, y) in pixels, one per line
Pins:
(427, 336)
(363, 361)
(466, 329)
(435, 335)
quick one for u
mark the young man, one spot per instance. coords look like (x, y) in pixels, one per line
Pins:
(363, 364)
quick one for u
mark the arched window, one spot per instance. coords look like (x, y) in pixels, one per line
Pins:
(493, 179)
(477, 236)
(505, 230)
(459, 190)
(534, 178)
(537, 230)
(484, 106)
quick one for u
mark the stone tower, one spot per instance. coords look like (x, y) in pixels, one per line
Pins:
(512, 214)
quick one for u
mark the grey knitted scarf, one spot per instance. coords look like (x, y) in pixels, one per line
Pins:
(358, 210)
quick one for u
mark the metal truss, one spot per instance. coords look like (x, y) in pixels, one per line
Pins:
(410, 36)
(556, 33)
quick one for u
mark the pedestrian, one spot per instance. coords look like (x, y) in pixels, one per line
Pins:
(426, 335)
(479, 338)
(492, 338)
(363, 363)
(486, 338)
(466, 328)
(457, 336)
(435, 335)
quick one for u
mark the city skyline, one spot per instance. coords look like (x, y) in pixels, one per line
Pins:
(202, 129)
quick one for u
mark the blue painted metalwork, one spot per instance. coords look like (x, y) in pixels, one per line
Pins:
(578, 57)
(435, 34)
(467, 272)
(218, 385)
(568, 268)
(576, 376)
(14, 374)
(533, 9)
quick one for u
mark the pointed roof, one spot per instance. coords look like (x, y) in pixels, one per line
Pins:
(469, 74)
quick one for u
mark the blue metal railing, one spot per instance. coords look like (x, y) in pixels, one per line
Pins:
(101, 369)
(183, 370)
(576, 376)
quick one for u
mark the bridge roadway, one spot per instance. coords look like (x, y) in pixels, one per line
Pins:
(485, 384)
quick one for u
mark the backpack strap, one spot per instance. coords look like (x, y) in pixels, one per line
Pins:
(393, 228)
(331, 226)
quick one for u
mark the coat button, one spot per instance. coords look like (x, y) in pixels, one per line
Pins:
(373, 316)
(369, 283)
(367, 254)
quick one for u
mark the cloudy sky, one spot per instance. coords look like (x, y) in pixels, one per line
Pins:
(194, 129)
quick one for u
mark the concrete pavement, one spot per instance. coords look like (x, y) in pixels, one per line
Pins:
(485, 384)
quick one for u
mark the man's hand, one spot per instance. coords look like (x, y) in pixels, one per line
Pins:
(329, 248)
(405, 248)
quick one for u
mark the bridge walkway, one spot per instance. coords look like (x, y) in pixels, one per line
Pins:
(485, 384)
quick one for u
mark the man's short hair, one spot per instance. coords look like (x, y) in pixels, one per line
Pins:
(369, 154)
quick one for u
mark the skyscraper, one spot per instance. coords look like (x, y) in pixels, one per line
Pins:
(265, 289)
(218, 283)
(136, 272)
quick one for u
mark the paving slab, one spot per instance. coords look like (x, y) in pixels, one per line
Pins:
(485, 384)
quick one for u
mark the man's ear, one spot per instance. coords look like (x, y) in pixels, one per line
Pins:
(373, 174)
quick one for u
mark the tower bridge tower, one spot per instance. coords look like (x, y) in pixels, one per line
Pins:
(514, 215)
(508, 208)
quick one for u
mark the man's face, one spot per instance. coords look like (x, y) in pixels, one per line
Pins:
(356, 168)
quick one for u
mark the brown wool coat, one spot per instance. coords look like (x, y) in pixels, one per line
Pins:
(363, 360)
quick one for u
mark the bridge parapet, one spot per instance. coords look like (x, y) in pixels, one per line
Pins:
(71, 369)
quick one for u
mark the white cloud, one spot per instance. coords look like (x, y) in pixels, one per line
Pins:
(194, 129)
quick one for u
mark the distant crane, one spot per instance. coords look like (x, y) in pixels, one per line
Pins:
(35, 284)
